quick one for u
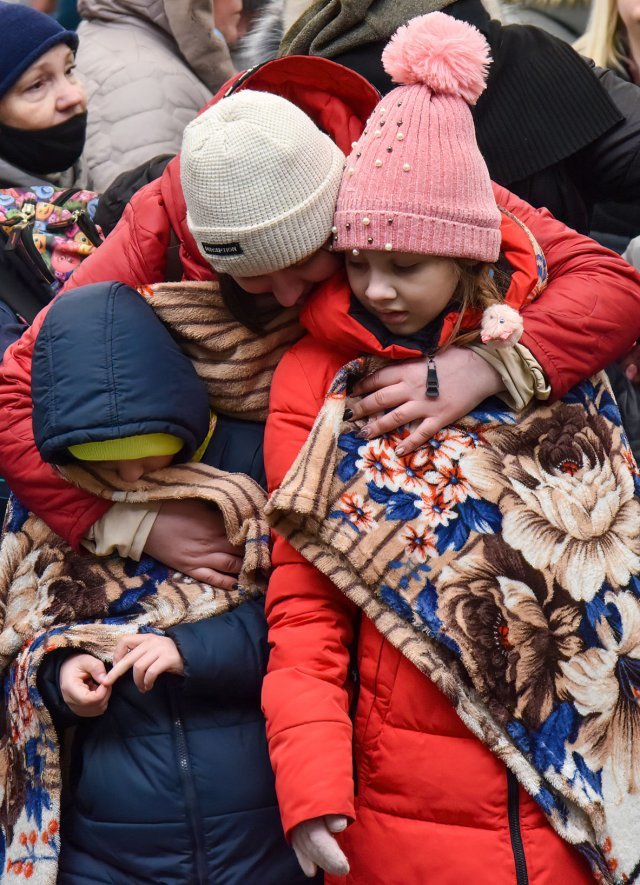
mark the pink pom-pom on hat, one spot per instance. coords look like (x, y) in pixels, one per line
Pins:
(448, 56)
(415, 181)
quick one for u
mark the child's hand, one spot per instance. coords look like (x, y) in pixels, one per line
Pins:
(81, 685)
(190, 537)
(315, 846)
(149, 655)
(465, 381)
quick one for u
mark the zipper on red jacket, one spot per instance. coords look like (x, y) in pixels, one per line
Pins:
(513, 811)
(194, 817)
(353, 706)
(243, 77)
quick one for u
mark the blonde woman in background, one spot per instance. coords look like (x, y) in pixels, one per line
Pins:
(612, 38)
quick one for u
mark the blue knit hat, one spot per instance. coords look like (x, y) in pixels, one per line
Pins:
(26, 35)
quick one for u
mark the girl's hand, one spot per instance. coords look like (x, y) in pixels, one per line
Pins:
(465, 381)
(81, 685)
(149, 655)
(315, 846)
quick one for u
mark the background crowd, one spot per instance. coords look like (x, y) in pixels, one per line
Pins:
(208, 155)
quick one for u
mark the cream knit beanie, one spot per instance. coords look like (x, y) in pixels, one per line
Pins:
(260, 182)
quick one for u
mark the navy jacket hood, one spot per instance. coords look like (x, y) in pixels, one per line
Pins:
(105, 367)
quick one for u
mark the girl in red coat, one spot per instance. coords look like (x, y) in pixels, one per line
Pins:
(407, 794)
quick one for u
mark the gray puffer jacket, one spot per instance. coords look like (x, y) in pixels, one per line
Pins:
(149, 66)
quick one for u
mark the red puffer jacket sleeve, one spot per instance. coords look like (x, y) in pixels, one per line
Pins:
(67, 510)
(305, 698)
(589, 315)
(135, 253)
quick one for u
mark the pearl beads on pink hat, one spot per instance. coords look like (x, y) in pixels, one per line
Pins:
(415, 181)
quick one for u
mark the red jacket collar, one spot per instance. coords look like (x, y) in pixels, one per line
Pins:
(327, 317)
(336, 98)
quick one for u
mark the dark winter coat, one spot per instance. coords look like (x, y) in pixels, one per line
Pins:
(615, 222)
(173, 786)
(22, 294)
(114, 200)
(566, 20)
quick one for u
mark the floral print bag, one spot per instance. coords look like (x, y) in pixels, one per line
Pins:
(49, 231)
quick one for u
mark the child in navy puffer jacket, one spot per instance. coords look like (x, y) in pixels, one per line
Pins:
(170, 778)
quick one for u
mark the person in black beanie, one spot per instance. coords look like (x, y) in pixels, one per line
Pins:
(43, 107)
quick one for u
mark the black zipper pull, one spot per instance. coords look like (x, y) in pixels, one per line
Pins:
(63, 196)
(88, 227)
(433, 387)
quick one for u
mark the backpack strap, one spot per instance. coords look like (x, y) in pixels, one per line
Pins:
(20, 289)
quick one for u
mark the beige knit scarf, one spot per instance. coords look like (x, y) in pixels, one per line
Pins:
(236, 364)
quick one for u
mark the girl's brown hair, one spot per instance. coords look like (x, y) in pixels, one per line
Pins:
(480, 285)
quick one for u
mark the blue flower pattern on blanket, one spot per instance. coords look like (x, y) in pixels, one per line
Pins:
(37, 832)
(517, 550)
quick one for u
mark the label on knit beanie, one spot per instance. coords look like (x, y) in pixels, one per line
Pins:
(221, 249)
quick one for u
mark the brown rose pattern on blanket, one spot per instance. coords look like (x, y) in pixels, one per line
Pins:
(503, 560)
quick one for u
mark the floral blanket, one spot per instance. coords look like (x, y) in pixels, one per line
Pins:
(503, 559)
(52, 597)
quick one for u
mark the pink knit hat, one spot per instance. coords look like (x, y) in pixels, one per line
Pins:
(415, 180)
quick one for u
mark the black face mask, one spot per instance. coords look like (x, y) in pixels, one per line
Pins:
(44, 150)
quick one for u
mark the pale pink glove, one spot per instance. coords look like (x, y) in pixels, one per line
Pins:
(316, 847)
(501, 326)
